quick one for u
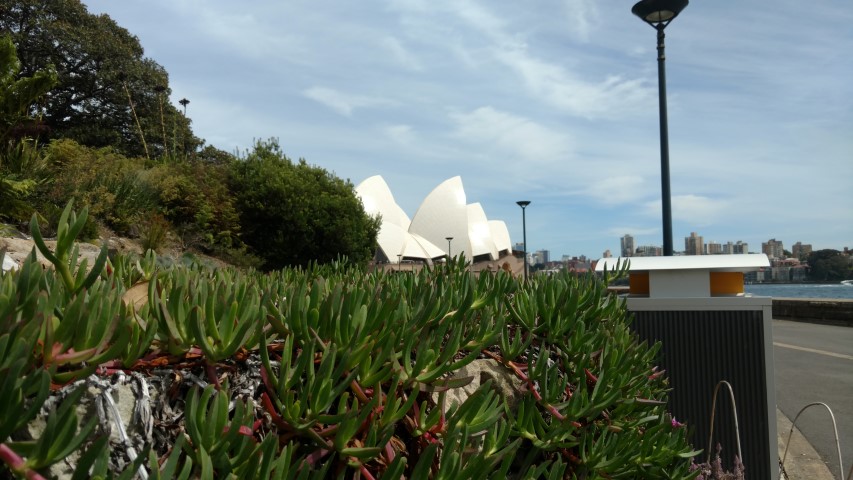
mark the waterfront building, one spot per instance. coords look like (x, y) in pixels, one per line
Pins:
(801, 250)
(627, 246)
(781, 274)
(445, 224)
(694, 244)
(773, 249)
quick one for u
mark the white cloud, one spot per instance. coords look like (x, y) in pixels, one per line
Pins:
(340, 102)
(403, 56)
(583, 15)
(615, 190)
(611, 97)
(694, 210)
(501, 133)
(401, 134)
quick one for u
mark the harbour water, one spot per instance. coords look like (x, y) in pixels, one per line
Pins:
(801, 290)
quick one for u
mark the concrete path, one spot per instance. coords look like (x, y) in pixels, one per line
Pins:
(802, 461)
(814, 363)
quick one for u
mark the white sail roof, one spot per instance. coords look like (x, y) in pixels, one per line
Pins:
(443, 213)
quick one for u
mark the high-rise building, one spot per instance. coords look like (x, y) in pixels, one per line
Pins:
(773, 249)
(694, 245)
(607, 254)
(627, 246)
(713, 248)
(540, 257)
(740, 247)
(800, 250)
(649, 251)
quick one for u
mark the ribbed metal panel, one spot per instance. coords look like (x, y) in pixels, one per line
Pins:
(700, 348)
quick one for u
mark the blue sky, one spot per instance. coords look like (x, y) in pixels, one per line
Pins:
(549, 101)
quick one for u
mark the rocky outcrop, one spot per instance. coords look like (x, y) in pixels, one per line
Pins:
(504, 382)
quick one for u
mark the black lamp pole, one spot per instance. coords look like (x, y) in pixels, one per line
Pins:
(523, 204)
(449, 256)
(658, 14)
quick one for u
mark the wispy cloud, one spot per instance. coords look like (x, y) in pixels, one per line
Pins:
(612, 96)
(583, 15)
(401, 134)
(402, 55)
(341, 102)
(696, 210)
(503, 133)
(616, 190)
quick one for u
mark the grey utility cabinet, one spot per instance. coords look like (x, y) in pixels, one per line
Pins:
(711, 331)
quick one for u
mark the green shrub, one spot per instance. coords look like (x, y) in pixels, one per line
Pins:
(111, 185)
(153, 232)
(294, 213)
(194, 197)
(23, 171)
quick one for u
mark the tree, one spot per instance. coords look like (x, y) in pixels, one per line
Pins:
(21, 164)
(295, 213)
(104, 79)
(829, 265)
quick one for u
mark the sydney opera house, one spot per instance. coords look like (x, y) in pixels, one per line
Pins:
(444, 214)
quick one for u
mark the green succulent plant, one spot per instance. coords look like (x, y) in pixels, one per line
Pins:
(355, 371)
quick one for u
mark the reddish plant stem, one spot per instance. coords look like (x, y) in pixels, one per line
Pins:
(210, 370)
(389, 452)
(17, 464)
(366, 472)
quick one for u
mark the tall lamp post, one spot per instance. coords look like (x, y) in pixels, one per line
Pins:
(449, 239)
(523, 204)
(658, 14)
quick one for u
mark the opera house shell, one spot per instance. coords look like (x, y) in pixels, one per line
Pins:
(443, 213)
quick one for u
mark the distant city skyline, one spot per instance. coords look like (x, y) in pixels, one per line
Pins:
(555, 104)
(772, 246)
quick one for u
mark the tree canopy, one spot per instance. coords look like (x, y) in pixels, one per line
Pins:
(295, 213)
(829, 265)
(20, 163)
(108, 92)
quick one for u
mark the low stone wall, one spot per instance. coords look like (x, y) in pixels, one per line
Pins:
(830, 311)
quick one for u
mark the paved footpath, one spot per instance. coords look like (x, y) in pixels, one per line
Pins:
(802, 461)
(814, 363)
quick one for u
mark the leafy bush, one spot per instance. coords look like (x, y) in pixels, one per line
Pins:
(295, 213)
(111, 185)
(23, 170)
(194, 197)
(341, 372)
(153, 232)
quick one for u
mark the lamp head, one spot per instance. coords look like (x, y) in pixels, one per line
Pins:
(523, 203)
(658, 13)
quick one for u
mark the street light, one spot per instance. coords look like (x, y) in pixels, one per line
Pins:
(449, 239)
(523, 204)
(658, 14)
